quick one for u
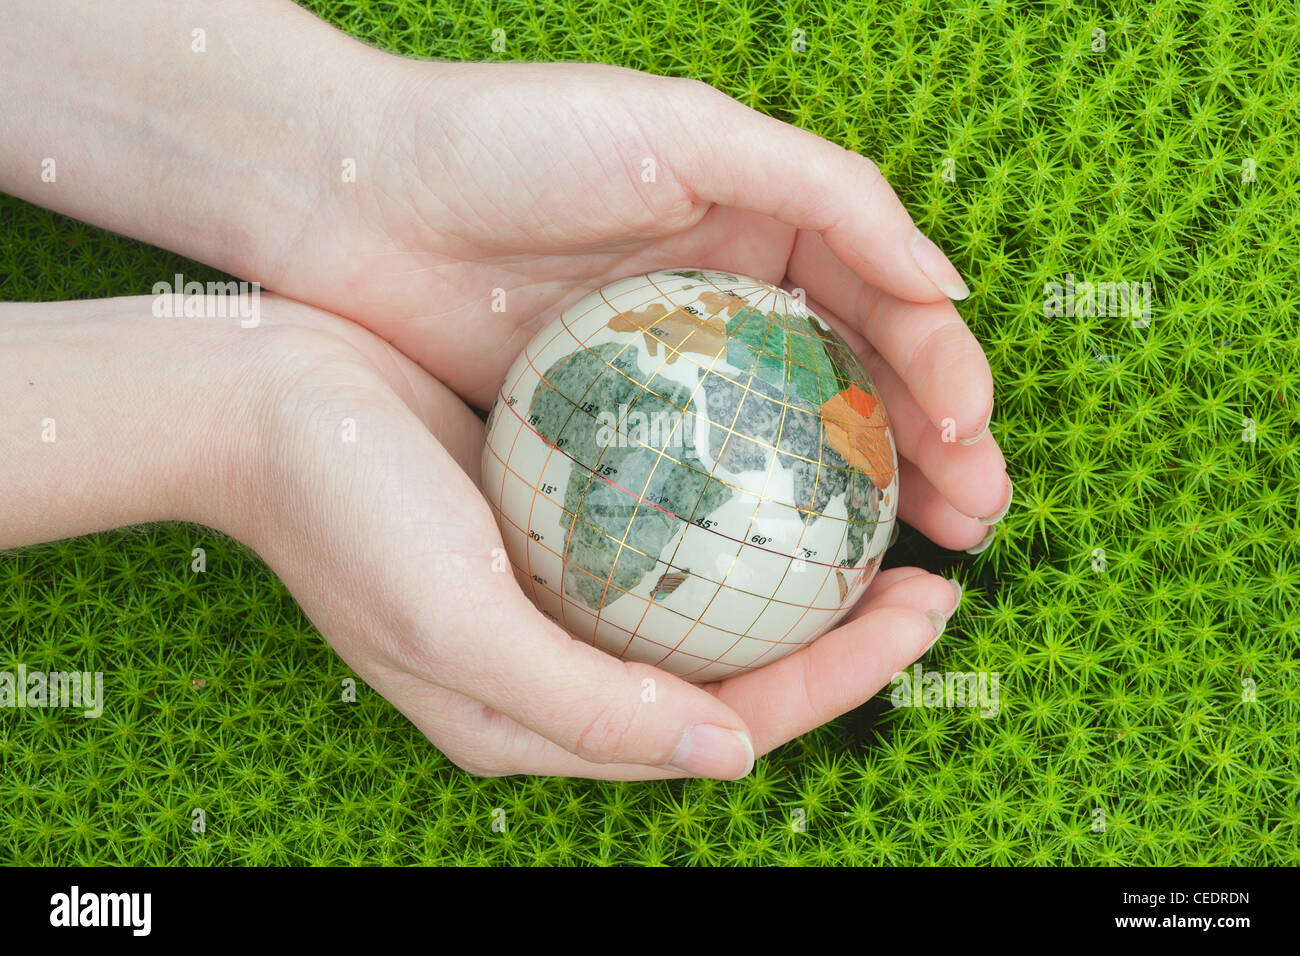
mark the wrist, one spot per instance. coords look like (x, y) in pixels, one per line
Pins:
(215, 130)
(114, 417)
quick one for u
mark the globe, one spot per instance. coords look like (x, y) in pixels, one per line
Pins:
(691, 469)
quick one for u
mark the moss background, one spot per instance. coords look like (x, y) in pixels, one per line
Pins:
(1127, 690)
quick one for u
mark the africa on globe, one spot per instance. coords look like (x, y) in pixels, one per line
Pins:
(691, 469)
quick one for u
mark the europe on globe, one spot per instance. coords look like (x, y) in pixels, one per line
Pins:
(691, 469)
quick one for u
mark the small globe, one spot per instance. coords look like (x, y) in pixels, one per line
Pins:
(692, 470)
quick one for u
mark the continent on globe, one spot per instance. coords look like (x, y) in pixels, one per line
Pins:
(693, 470)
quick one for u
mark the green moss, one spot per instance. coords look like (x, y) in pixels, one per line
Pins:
(1120, 690)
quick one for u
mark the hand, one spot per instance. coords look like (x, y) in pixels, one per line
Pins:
(530, 180)
(384, 540)
(392, 552)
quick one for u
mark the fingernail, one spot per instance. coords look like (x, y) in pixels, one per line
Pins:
(956, 590)
(893, 534)
(983, 545)
(1001, 512)
(706, 750)
(940, 621)
(982, 432)
(931, 260)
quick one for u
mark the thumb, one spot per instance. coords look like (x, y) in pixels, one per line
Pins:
(511, 658)
(481, 636)
(754, 162)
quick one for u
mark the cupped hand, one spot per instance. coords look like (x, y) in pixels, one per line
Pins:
(488, 197)
(356, 489)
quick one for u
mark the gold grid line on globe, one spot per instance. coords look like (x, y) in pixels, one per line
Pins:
(758, 503)
(752, 312)
(789, 564)
(850, 470)
(685, 410)
(742, 543)
(675, 612)
(705, 610)
(712, 424)
(568, 565)
(564, 563)
(827, 365)
(673, 558)
(559, 506)
(853, 477)
(613, 567)
(530, 577)
(582, 343)
(830, 569)
(743, 386)
(743, 492)
(670, 610)
(703, 377)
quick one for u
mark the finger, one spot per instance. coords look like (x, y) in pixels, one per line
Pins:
(908, 587)
(487, 743)
(972, 477)
(755, 162)
(929, 345)
(883, 581)
(493, 645)
(836, 673)
(416, 529)
(929, 512)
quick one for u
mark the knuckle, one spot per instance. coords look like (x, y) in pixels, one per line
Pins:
(607, 736)
(419, 641)
(478, 741)
(868, 170)
(867, 182)
(867, 175)
(687, 96)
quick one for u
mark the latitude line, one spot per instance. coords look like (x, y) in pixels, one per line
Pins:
(815, 411)
(645, 389)
(551, 447)
(795, 335)
(811, 413)
(674, 514)
(704, 488)
(758, 504)
(559, 505)
(722, 447)
(790, 604)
